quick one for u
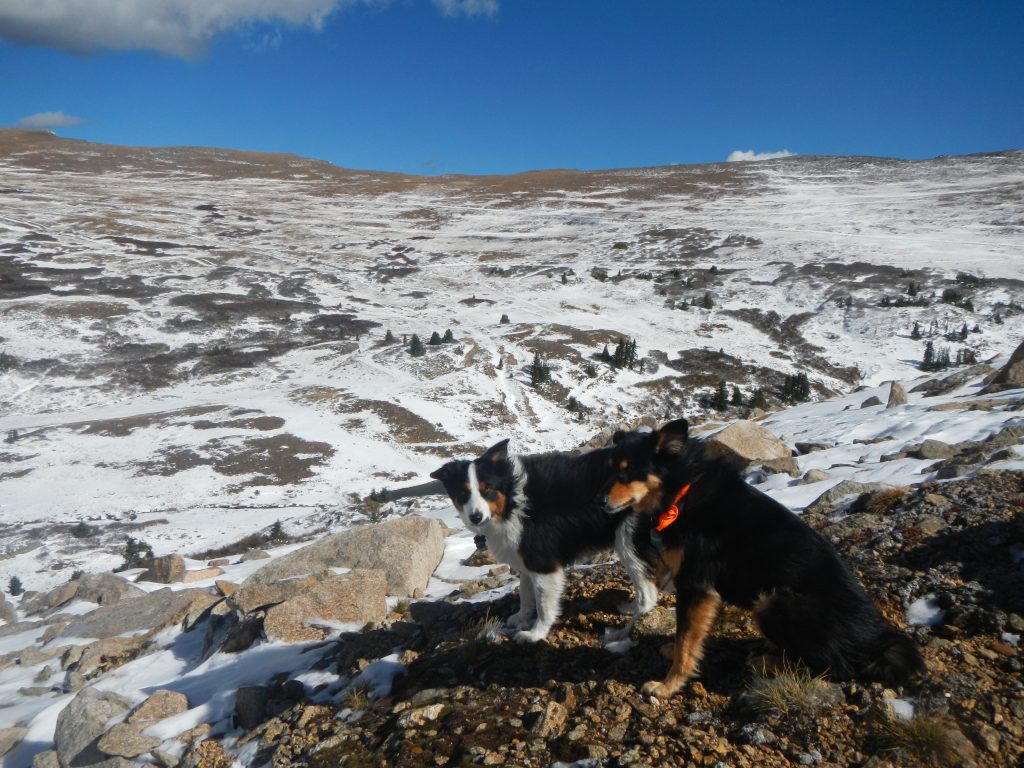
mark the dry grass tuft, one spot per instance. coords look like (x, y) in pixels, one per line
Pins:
(485, 629)
(356, 698)
(928, 740)
(795, 689)
(883, 502)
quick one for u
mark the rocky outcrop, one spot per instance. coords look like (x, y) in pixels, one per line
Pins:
(1010, 376)
(106, 588)
(168, 569)
(81, 724)
(354, 597)
(50, 601)
(871, 402)
(407, 550)
(897, 395)
(743, 443)
(159, 706)
(952, 381)
(126, 740)
(149, 614)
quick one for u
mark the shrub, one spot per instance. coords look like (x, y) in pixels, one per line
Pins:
(136, 554)
(435, 339)
(504, 320)
(448, 337)
(76, 575)
(416, 348)
(276, 534)
(599, 274)
(796, 388)
(758, 399)
(927, 738)
(389, 337)
(82, 530)
(708, 301)
(915, 332)
(7, 362)
(590, 370)
(540, 372)
(14, 587)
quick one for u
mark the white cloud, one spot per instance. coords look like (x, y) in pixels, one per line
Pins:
(467, 7)
(738, 155)
(177, 27)
(46, 120)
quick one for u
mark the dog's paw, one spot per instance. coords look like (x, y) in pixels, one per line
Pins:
(531, 636)
(521, 620)
(657, 690)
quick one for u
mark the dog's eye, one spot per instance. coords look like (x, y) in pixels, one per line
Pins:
(490, 494)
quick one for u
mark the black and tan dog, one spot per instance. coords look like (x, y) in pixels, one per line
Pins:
(726, 541)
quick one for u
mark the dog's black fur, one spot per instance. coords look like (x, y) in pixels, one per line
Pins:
(733, 543)
(541, 513)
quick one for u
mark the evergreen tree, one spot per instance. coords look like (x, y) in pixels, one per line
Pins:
(389, 337)
(606, 355)
(540, 373)
(565, 278)
(758, 399)
(276, 534)
(435, 339)
(136, 553)
(720, 400)
(448, 337)
(929, 357)
(912, 289)
(964, 332)
(416, 348)
(82, 531)
(737, 396)
(14, 586)
(708, 301)
(504, 320)
(796, 388)
(915, 333)
(997, 319)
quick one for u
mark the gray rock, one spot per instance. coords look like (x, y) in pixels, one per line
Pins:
(785, 466)
(159, 706)
(871, 402)
(165, 759)
(407, 550)
(806, 447)
(932, 449)
(48, 601)
(168, 569)
(657, 623)
(1010, 376)
(9, 737)
(82, 722)
(955, 380)
(8, 613)
(814, 476)
(853, 525)
(897, 395)
(743, 442)
(826, 501)
(127, 740)
(254, 595)
(153, 612)
(254, 554)
(358, 596)
(251, 705)
(106, 588)
(47, 759)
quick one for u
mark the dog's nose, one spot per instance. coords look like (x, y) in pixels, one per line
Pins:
(475, 518)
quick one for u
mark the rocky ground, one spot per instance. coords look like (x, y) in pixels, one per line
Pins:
(468, 700)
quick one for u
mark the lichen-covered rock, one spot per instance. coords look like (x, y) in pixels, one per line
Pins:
(354, 597)
(149, 613)
(407, 550)
(897, 395)
(159, 706)
(743, 442)
(9, 737)
(127, 740)
(1010, 376)
(168, 569)
(106, 588)
(82, 722)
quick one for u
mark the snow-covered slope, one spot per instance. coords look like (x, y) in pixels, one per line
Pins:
(194, 339)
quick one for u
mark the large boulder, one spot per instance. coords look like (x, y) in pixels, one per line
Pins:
(150, 613)
(106, 588)
(250, 596)
(407, 549)
(48, 601)
(127, 740)
(168, 569)
(8, 613)
(1010, 376)
(354, 597)
(743, 443)
(941, 386)
(897, 395)
(81, 724)
(9, 737)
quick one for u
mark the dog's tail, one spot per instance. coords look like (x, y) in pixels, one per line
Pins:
(896, 659)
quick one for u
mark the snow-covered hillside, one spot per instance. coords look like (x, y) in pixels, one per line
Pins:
(194, 339)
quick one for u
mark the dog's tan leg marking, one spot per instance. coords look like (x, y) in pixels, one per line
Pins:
(689, 646)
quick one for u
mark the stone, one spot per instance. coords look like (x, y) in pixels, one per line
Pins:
(253, 554)
(226, 588)
(52, 631)
(165, 759)
(254, 595)
(251, 702)
(420, 716)
(825, 503)
(871, 402)
(743, 443)
(814, 476)
(127, 740)
(106, 588)
(47, 759)
(168, 569)
(946, 384)
(897, 395)
(657, 622)
(937, 500)
(48, 601)
(219, 562)
(407, 550)
(109, 653)
(82, 722)
(159, 706)
(11, 737)
(552, 721)
(805, 447)
(358, 596)
(201, 574)
(152, 613)
(8, 613)
(1010, 376)
(932, 449)
(785, 466)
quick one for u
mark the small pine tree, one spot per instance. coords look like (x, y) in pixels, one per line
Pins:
(435, 339)
(606, 356)
(504, 320)
(416, 348)
(590, 370)
(448, 337)
(912, 289)
(82, 530)
(976, 328)
(997, 319)
(758, 399)
(276, 534)
(796, 388)
(915, 332)
(12, 436)
(136, 554)
(737, 396)
(708, 301)
(565, 278)
(720, 400)
(15, 587)
(964, 332)
(928, 359)
(540, 373)
(389, 337)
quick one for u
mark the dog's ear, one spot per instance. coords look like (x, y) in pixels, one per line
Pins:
(617, 437)
(497, 453)
(672, 436)
(444, 472)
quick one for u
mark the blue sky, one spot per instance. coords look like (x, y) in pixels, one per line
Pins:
(497, 86)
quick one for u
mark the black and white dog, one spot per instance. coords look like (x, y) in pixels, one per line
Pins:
(541, 513)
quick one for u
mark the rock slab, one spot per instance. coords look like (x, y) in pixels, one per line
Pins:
(743, 442)
(354, 597)
(82, 722)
